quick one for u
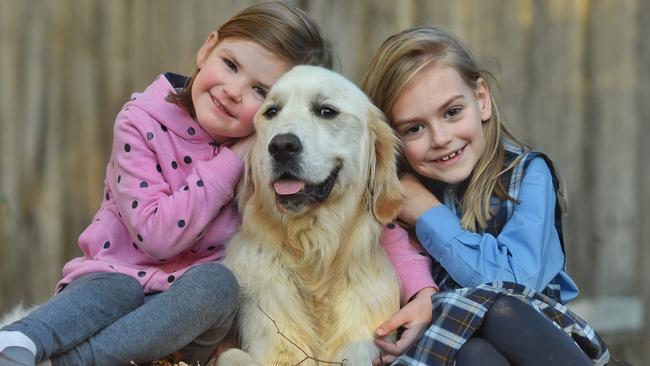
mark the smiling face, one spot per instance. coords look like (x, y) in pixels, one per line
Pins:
(439, 119)
(233, 79)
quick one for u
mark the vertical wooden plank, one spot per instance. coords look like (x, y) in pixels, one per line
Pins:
(613, 154)
(502, 48)
(209, 16)
(184, 37)
(356, 29)
(445, 13)
(139, 72)
(47, 209)
(334, 22)
(86, 138)
(12, 14)
(642, 93)
(30, 149)
(380, 20)
(115, 63)
(553, 109)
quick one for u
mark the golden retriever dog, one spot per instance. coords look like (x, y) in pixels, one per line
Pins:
(320, 181)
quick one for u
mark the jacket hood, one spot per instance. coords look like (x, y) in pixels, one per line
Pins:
(171, 116)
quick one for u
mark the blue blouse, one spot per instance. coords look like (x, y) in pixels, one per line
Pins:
(526, 251)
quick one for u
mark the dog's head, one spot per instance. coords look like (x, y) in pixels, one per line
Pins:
(320, 141)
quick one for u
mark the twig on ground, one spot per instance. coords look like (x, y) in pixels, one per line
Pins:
(307, 357)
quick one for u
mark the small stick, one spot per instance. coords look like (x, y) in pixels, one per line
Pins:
(307, 357)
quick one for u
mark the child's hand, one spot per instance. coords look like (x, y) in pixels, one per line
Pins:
(418, 199)
(414, 317)
(243, 145)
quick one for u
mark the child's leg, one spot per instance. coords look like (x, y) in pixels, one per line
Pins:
(526, 337)
(224, 307)
(196, 313)
(86, 305)
(478, 352)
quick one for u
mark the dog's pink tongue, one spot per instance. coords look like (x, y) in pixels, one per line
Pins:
(286, 187)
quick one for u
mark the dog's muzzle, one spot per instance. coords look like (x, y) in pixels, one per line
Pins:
(292, 191)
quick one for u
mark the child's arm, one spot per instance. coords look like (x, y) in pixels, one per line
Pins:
(417, 286)
(164, 222)
(411, 262)
(527, 251)
(414, 318)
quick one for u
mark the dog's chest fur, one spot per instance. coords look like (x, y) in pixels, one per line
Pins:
(320, 263)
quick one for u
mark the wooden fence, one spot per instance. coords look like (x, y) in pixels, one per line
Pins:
(574, 77)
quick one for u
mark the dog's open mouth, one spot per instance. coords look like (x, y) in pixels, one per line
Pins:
(293, 193)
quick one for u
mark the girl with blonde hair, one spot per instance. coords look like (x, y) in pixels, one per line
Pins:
(486, 208)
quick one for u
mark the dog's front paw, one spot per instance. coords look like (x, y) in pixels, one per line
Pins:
(236, 357)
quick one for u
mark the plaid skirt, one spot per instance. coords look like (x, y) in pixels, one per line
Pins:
(458, 313)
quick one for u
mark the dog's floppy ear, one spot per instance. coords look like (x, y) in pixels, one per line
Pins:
(386, 191)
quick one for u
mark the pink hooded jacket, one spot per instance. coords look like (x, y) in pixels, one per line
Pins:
(168, 199)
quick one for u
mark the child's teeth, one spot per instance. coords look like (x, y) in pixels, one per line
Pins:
(449, 156)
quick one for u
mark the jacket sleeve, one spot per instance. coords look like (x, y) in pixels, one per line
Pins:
(165, 222)
(412, 264)
(527, 250)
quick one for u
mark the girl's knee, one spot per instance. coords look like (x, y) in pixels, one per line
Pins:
(506, 309)
(480, 352)
(474, 352)
(475, 345)
(216, 281)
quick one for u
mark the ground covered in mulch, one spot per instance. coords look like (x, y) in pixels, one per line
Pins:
(172, 360)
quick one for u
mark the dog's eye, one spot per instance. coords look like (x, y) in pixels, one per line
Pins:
(270, 112)
(327, 112)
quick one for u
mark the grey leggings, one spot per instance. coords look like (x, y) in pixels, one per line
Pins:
(105, 319)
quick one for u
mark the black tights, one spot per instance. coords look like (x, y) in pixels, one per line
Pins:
(513, 333)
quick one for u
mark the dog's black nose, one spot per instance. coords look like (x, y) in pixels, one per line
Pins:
(285, 146)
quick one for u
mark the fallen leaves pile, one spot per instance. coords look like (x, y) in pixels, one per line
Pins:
(173, 360)
(167, 363)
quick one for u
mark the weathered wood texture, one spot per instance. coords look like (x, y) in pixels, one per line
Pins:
(574, 78)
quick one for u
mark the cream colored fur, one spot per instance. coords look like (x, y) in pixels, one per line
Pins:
(17, 313)
(319, 272)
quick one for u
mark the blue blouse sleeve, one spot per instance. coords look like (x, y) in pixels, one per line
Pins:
(527, 250)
